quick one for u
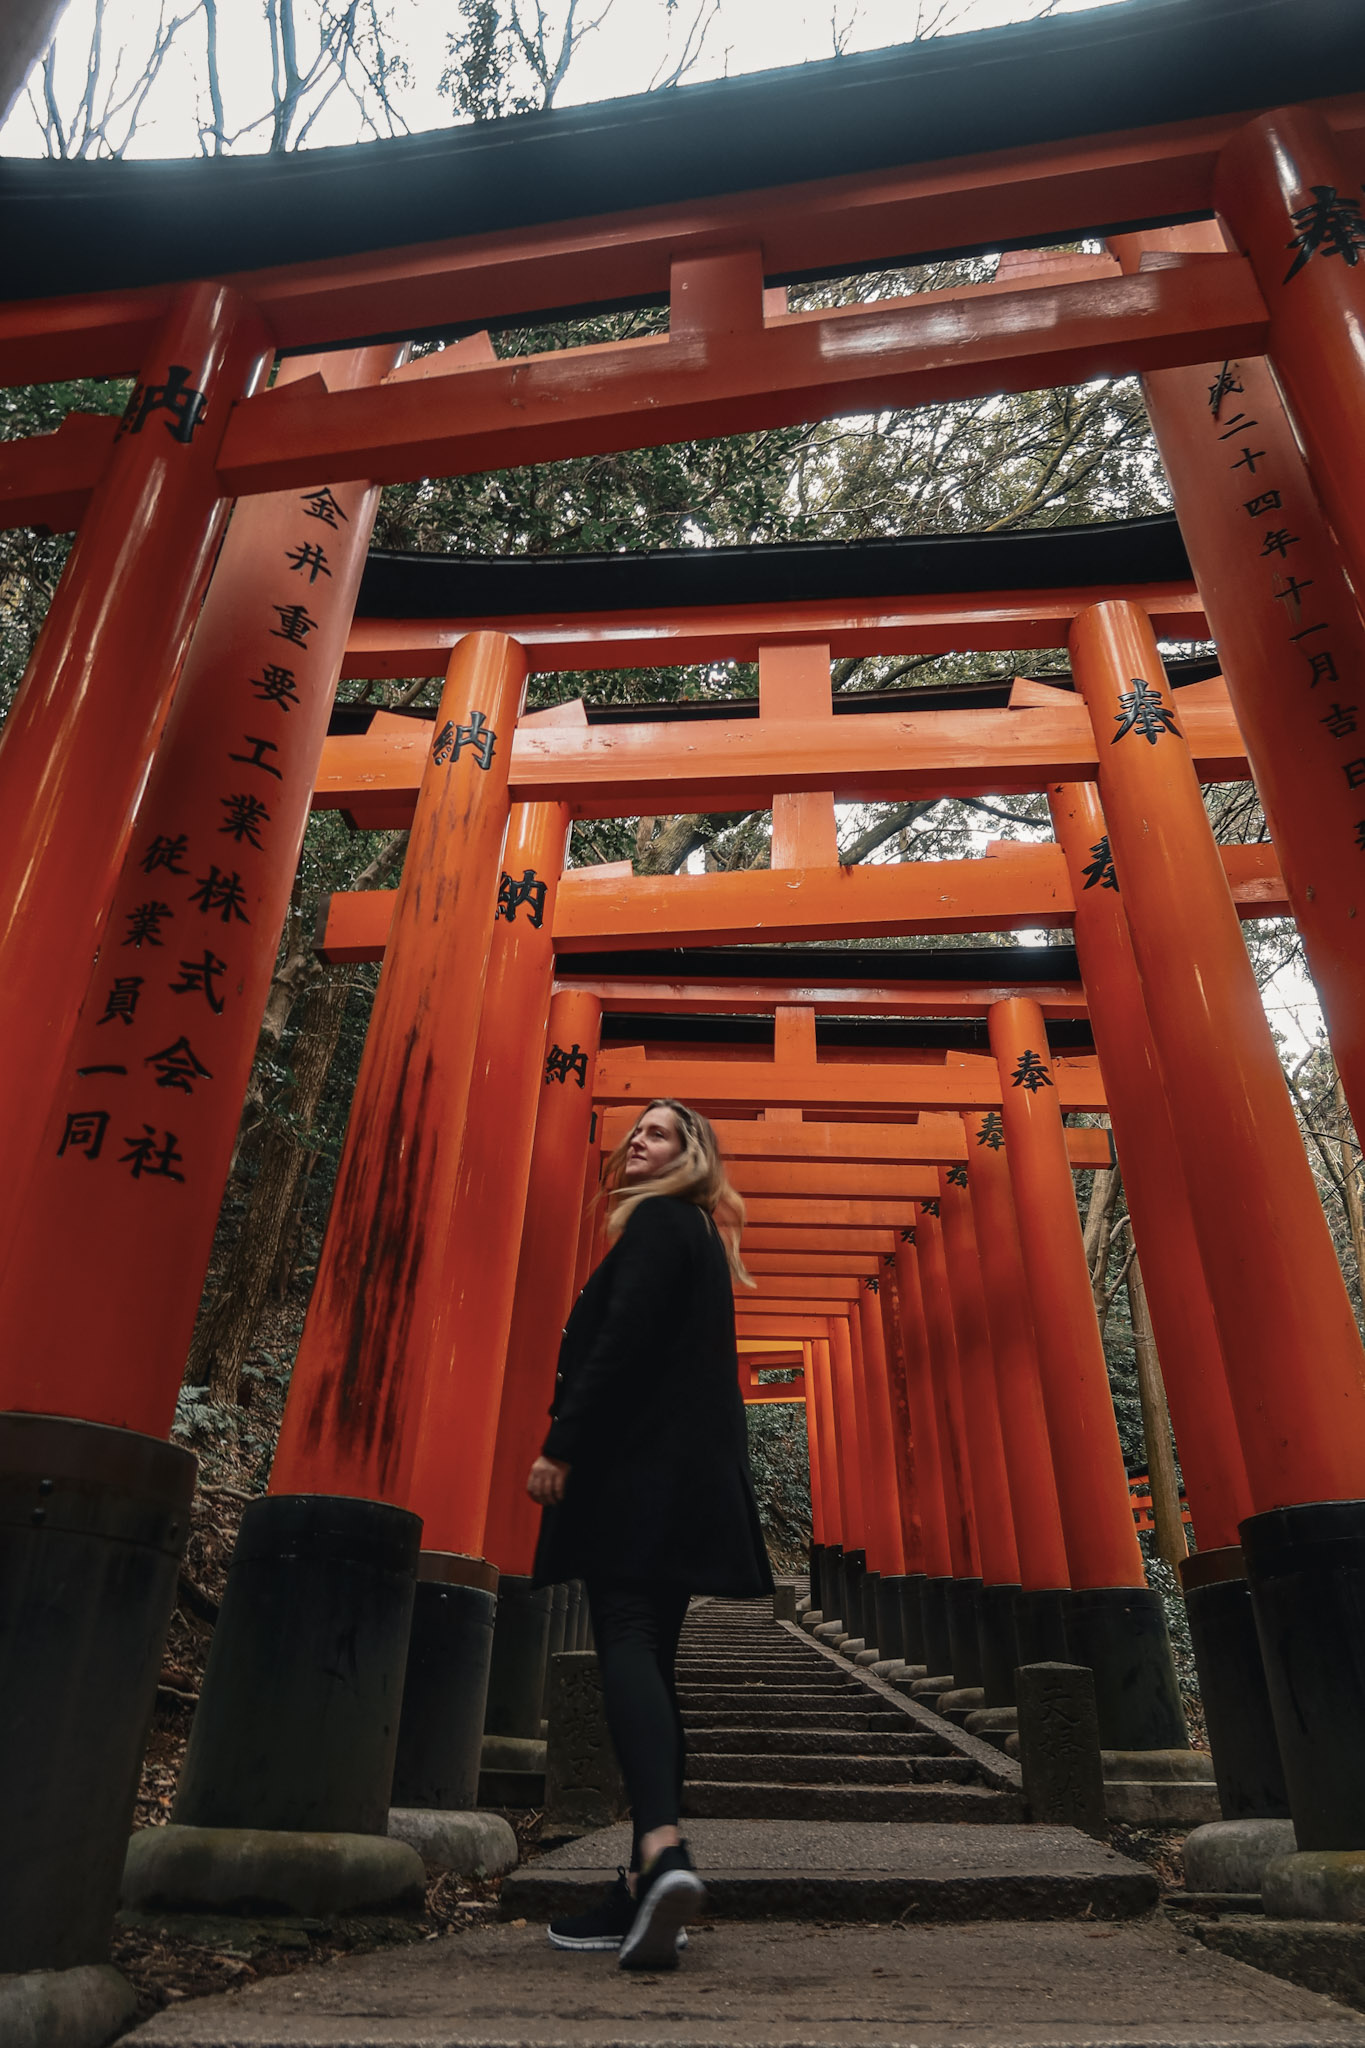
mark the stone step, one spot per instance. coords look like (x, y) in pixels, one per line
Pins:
(832, 1742)
(761, 1697)
(873, 1716)
(718, 1766)
(859, 1871)
(759, 1800)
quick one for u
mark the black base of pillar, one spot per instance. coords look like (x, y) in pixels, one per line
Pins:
(938, 1642)
(912, 1619)
(516, 1671)
(890, 1637)
(831, 1580)
(93, 1523)
(817, 1551)
(867, 1615)
(855, 1568)
(445, 1693)
(1227, 1656)
(297, 1723)
(573, 1625)
(1306, 1569)
(1040, 1625)
(964, 1637)
(1120, 1632)
(999, 1647)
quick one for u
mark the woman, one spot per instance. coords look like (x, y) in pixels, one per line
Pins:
(644, 1479)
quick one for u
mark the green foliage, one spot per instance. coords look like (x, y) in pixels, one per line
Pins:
(780, 1460)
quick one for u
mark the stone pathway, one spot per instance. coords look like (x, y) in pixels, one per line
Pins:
(776, 1985)
(857, 1902)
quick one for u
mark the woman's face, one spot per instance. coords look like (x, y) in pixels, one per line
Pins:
(654, 1144)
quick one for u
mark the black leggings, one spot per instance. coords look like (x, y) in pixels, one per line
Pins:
(636, 1630)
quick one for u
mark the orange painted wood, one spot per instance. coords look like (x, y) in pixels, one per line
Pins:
(734, 764)
(479, 1253)
(735, 378)
(811, 1212)
(902, 1431)
(886, 1548)
(353, 1412)
(1038, 190)
(930, 1141)
(980, 1402)
(774, 1322)
(1092, 1489)
(820, 1389)
(873, 1181)
(1295, 1366)
(1183, 1321)
(168, 1029)
(1269, 172)
(80, 735)
(930, 1499)
(546, 1258)
(1023, 1418)
(816, 1469)
(838, 1265)
(761, 1302)
(946, 1374)
(1002, 890)
(986, 622)
(845, 1434)
(799, 1286)
(817, 1244)
(828, 1087)
(1249, 539)
(885, 999)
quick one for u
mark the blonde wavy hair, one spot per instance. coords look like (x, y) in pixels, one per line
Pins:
(696, 1175)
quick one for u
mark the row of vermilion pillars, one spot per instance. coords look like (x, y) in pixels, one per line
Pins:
(82, 880)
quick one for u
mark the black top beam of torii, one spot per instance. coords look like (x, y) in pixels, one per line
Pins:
(82, 226)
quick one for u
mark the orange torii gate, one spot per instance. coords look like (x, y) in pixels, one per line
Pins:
(113, 843)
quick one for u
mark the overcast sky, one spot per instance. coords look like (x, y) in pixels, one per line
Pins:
(639, 41)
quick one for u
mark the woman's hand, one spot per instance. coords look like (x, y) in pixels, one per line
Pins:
(546, 1483)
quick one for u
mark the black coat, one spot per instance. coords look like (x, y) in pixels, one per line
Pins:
(649, 1417)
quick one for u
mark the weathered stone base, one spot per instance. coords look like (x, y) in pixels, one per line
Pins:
(1232, 1855)
(512, 1753)
(81, 2008)
(1160, 1788)
(470, 1844)
(1322, 1956)
(266, 1870)
(1316, 1884)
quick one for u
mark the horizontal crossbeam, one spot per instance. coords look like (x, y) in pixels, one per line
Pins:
(736, 373)
(826, 1088)
(1012, 887)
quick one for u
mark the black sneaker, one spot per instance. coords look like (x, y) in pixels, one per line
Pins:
(605, 1926)
(670, 1892)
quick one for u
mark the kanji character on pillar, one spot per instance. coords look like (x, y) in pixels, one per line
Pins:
(176, 396)
(145, 1159)
(1329, 225)
(145, 922)
(1031, 1073)
(560, 1064)
(84, 1132)
(1144, 713)
(178, 1066)
(529, 890)
(121, 1001)
(200, 977)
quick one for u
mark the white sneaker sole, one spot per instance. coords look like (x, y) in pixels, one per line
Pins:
(598, 1944)
(652, 1943)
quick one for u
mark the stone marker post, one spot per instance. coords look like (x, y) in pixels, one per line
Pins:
(583, 1785)
(1059, 1746)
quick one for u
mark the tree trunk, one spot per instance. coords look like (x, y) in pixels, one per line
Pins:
(224, 1335)
(1099, 1229)
(1348, 1153)
(1156, 1427)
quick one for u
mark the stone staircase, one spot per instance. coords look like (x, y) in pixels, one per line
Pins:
(779, 1729)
